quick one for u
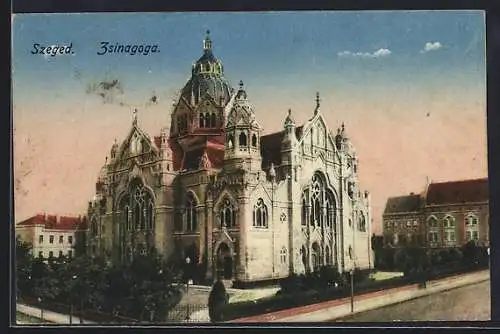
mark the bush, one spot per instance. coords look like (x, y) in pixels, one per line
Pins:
(291, 284)
(217, 301)
(329, 275)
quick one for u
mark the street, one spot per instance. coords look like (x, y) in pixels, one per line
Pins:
(468, 303)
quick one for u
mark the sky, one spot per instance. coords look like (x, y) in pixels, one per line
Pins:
(409, 86)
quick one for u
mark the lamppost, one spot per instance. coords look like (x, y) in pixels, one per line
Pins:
(352, 288)
(41, 308)
(187, 270)
(73, 282)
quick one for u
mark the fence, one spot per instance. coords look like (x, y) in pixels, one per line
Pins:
(190, 313)
(181, 313)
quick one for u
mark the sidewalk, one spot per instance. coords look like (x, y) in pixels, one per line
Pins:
(335, 309)
(48, 316)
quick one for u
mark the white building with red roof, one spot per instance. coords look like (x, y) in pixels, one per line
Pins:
(51, 235)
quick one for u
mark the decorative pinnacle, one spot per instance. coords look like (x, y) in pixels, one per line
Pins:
(207, 43)
(241, 84)
(134, 115)
(317, 100)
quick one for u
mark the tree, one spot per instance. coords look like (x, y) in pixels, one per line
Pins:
(217, 301)
(24, 262)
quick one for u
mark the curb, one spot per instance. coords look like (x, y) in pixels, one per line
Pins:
(314, 310)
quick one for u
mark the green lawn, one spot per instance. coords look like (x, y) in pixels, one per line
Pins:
(22, 318)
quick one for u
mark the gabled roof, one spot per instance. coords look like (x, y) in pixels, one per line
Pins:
(454, 192)
(403, 204)
(52, 222)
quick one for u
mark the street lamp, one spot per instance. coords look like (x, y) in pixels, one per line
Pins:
(41, 308)
(71, 299)
(188, 261)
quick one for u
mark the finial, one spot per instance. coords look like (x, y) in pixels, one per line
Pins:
(135, 117)
(207, 43)
(241, 84)
(317, 99)
(289, 112)
(106, 160)
(343, 127)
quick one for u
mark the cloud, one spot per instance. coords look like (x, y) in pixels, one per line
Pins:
(377, 54)
(429, 46)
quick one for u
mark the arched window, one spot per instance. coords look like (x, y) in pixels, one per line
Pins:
(316, 256)
(230, 141)
(330, 210)
(191, 218)
(304, 209)
(260, 214)
(254, 140)
(328, 256)
(283, 255)
(317, 195)
(137, 210)
(151, 216)
(213, 120)
(243, 139)
(313, 206)
(227, 215)
(449, 230)
(471, 227)
(202, 120)
(433, 234)
(361, 222)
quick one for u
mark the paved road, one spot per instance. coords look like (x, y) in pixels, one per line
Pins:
(468, 303)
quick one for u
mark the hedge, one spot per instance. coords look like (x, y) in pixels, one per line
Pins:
(307, 297)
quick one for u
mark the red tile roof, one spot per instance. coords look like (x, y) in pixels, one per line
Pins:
(454, 192)
(52, 222)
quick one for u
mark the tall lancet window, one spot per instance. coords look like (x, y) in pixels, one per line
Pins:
(317, 199)
(202, 120)
(213, 120)
(227, 215)
(304, 209)
(254, 140)
(243, 139)
(260, 214)
(191, 216)
(150, 216)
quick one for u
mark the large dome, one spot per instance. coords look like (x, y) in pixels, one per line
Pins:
(207, 77)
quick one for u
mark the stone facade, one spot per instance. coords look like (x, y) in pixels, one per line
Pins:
(214, 188)
(447, 214)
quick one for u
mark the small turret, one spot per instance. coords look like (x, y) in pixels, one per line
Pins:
(271, 173)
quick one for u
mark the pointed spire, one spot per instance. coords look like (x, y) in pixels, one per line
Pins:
(207, 42)
(289, 121)
(317, 103)
(242, 94)
(134, 117)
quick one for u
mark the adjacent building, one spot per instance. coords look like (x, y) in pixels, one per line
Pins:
(50, 235)
(447, 214)
(215, 189)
